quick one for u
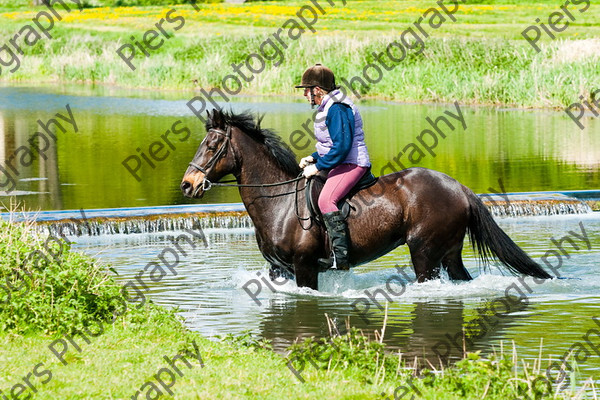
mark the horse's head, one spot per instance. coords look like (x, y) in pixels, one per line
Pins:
(213, 160)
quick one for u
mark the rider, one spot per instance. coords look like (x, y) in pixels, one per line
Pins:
(341, 149)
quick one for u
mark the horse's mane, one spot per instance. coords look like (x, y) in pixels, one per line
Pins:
(250, 125)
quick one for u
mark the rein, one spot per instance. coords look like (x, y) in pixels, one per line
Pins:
(259, 185)
(207, 185)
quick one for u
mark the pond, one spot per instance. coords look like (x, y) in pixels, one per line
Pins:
(424, 320)
(525, 150)
(221, 288)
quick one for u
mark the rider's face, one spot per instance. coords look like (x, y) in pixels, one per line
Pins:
(318, 95)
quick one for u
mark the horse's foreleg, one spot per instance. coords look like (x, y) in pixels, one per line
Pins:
(276, 272)
(307, 274)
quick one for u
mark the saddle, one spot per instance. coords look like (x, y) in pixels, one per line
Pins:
(315, 185)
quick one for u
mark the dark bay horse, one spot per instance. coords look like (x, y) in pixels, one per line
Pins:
(425, 209)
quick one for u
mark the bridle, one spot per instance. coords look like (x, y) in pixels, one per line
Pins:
(216, 157)
(207, 185)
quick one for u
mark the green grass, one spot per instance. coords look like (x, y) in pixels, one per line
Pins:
(65, 292)
(480, 59)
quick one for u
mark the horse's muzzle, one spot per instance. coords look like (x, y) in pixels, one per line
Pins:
(187, 189)
(193, 186)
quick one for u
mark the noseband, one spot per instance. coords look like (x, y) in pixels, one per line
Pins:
(206, 184)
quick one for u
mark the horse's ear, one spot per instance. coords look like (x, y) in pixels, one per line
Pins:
(218, 119)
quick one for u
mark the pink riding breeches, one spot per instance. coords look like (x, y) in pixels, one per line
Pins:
(339, 182)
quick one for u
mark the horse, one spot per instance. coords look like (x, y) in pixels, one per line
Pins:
(425, 209)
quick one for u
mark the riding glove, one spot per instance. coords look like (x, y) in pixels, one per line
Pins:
(305, 161)
(310, 170)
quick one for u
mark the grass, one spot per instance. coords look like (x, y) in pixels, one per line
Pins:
(119, 360)
(480, 59)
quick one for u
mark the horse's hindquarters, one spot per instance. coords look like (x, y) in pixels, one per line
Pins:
(376, 222)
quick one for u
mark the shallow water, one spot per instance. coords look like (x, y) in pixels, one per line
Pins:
(525, 150)
(501, 150)
(208, 289)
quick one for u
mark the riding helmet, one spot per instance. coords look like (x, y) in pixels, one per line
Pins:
(318, 75)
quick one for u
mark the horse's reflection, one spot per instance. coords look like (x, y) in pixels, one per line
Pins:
(433, 332)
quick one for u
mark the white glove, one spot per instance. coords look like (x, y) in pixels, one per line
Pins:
(305, 161)
(310, 170)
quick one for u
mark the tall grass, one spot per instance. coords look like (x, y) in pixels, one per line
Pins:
(480, 59)
(46, 287)
(61, 292)
(476, 71)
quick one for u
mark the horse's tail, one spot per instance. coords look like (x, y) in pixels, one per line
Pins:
(490, 240)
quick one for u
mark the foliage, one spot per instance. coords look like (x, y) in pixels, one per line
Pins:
(246, 340)
(491, 64)
(59, 294)
(474, 377)
(46, 287)
(353, 351)
(496, 376)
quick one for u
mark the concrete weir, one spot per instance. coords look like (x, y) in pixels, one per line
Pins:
(233, 215)
(534, 204)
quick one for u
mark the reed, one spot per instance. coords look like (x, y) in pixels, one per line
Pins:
(114, 363)
(488, 65)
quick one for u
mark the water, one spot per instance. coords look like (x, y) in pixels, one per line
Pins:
(173, 218)
(501, 149)
(208, 289)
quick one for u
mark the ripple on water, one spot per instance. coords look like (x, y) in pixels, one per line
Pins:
(210, 281)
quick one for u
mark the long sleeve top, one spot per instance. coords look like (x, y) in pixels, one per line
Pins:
(340, 124)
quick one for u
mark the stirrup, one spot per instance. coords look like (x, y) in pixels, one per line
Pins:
(325, 264)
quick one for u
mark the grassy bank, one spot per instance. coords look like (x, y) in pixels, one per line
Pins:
(56, 292)
(479, 59)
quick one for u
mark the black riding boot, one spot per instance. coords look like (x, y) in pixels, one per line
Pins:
(338, 238)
